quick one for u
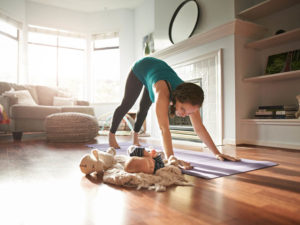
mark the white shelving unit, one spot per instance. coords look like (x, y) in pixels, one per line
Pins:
(274, 77)
(292, 35)
(289, 122)
(266, 8)
(258, 89)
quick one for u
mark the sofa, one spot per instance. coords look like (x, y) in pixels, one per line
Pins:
(27, 106)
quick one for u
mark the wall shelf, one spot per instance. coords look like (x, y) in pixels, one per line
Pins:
(289, 122)
(292, 35)
(272, 77)
(266, 8)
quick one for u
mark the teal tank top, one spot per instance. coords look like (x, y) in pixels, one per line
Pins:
(149, 70)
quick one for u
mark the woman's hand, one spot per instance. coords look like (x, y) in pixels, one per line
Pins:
(223, 157)
(184, 165)
(172, 160)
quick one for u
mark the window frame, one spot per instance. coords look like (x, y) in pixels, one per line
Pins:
(17, 26)
(57, 46)
(101, 36)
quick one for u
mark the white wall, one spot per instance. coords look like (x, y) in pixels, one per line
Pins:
(164, 11)
(144, 17)
(14, 8)
(214, 13)
(155, 16)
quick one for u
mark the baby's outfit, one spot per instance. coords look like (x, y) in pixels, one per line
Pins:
(139, 151)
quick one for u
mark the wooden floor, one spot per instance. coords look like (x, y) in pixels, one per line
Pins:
(41, 184)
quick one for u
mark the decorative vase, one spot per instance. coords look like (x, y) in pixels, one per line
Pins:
(147, 49)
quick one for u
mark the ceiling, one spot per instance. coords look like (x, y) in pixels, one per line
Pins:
(91, 5)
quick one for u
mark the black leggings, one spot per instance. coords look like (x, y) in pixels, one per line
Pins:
(133, 89)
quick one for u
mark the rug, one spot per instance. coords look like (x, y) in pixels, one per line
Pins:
(205, 164)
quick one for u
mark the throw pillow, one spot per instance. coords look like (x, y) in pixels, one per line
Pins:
(46, 94)
(62, 92)
(61, 101)
(23, 96)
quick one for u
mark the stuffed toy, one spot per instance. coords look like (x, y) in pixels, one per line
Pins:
(97, 161)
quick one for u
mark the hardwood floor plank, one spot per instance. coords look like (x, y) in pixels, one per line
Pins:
(40, 183)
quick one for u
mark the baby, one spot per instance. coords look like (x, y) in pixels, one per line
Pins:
(143, 161)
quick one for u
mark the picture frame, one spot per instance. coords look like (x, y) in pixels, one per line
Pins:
(295, 62)
(283, 62)
(148, 44)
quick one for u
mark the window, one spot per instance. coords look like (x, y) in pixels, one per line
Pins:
(57, 58)
(9, 53)
(106, 68)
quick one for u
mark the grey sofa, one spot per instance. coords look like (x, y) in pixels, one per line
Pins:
(28, 114)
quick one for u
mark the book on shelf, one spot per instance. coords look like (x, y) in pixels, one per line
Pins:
(276, 112)
(261, 112)
(278, 107)
(271, 117)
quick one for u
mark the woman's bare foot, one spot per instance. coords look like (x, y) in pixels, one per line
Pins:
(136, 139)
(112, 141)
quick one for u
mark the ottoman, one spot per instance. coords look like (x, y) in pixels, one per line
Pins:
(71, 127)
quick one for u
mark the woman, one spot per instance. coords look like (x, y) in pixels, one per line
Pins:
(164, 88)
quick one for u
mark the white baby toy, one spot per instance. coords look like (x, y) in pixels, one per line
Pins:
(97, 161)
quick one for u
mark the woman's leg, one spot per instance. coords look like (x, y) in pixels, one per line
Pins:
(133, 88)
(145, 104)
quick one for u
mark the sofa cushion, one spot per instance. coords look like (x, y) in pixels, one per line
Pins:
(33, 92)
(4, 87)
(30, 88)
(81, 102)
(23, 97)
(32, 112)
(46, 94)
(60, 101)
(62, 92)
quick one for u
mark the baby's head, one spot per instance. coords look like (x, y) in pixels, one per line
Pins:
(140, 165)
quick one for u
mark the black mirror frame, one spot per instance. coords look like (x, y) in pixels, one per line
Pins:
(175, 14)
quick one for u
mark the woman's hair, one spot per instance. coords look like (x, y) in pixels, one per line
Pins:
(186, 93)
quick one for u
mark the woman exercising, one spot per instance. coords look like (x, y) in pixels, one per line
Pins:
(164, 88)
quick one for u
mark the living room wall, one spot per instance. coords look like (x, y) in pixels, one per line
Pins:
(14, 8)
(88, 23)
(122, 21)
(155, 16)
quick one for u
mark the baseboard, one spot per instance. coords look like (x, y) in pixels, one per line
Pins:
(227, 141)
(270, 144)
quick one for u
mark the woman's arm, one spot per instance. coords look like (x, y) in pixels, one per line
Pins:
(162, 97)
(205, 137)
(202, 132)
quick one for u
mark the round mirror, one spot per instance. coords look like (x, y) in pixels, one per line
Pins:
(184, 21)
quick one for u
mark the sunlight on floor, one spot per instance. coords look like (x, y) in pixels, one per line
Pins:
(59, 202)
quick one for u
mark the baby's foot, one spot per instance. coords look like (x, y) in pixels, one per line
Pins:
(112, 141)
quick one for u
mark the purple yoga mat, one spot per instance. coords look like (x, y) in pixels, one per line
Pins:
(205, 164)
